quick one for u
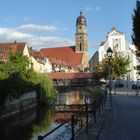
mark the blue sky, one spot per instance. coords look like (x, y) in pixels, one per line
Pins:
(51, 23)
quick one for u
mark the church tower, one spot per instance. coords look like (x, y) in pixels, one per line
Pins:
(81, 39)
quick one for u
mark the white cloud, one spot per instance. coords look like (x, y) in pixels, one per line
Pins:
(33, 27)
(37, 42)
(10, 34)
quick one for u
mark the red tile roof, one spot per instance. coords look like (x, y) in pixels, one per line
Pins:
(59, 117)
(34, 53)
(59, 75)
(57, 61)
(66, 54)
(17, 47)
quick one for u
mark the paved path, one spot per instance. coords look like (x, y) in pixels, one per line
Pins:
(122, 122)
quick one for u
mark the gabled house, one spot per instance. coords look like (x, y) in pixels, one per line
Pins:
(16, 47)
(22, 48)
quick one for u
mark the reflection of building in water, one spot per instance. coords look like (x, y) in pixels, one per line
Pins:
(74, 97)
(60, 117)
(87, 99)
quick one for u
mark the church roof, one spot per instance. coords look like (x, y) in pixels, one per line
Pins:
(66, 54)
(114, 29)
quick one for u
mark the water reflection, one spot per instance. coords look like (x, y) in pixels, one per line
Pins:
(74, 97)
(40, 120)
(27, 125)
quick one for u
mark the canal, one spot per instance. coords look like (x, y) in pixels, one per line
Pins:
(42, 119)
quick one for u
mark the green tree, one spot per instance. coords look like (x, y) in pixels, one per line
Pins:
(19, 64)
(120, 66)
(17, 78)
(102, 69)
(136, 32)
(136, 26)
(47, 90)
(14, 77)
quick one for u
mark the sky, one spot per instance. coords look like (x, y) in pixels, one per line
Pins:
(51, 23)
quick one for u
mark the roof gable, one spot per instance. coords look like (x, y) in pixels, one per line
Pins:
(115, 33)
(16, 47)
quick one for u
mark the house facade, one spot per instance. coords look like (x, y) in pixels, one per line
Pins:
(21, 48)
(116, 39)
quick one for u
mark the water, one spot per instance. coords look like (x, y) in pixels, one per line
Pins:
(79, 96)
(40, 120)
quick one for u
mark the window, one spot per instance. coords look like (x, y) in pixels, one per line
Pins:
(80, 47)
(116, 45)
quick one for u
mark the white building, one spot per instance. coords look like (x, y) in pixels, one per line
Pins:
(116, 39)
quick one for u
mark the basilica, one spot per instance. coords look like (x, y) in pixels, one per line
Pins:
(70, 58)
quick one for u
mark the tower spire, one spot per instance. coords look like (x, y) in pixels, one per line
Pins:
(81, 38)
(81, 13)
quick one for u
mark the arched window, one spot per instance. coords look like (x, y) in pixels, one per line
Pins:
(80, 47)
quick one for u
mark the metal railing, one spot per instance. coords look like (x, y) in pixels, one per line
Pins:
(97, 106)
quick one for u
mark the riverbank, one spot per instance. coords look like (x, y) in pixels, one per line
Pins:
(16, 111)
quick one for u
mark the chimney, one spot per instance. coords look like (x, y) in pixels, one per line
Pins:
(14, 47)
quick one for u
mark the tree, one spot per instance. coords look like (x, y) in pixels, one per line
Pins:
(102, 69)
(16, 78)
(120, 66)
(47, 91)
(136, 32)
(136, 27)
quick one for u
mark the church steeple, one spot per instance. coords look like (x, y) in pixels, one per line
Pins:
(81, 37)
(81, 13)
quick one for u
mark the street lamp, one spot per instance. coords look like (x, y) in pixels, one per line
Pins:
(127, 76)
(109, 54)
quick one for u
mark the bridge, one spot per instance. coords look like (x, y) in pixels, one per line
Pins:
(72, 79)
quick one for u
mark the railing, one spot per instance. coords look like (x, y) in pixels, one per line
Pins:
(89, 113)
